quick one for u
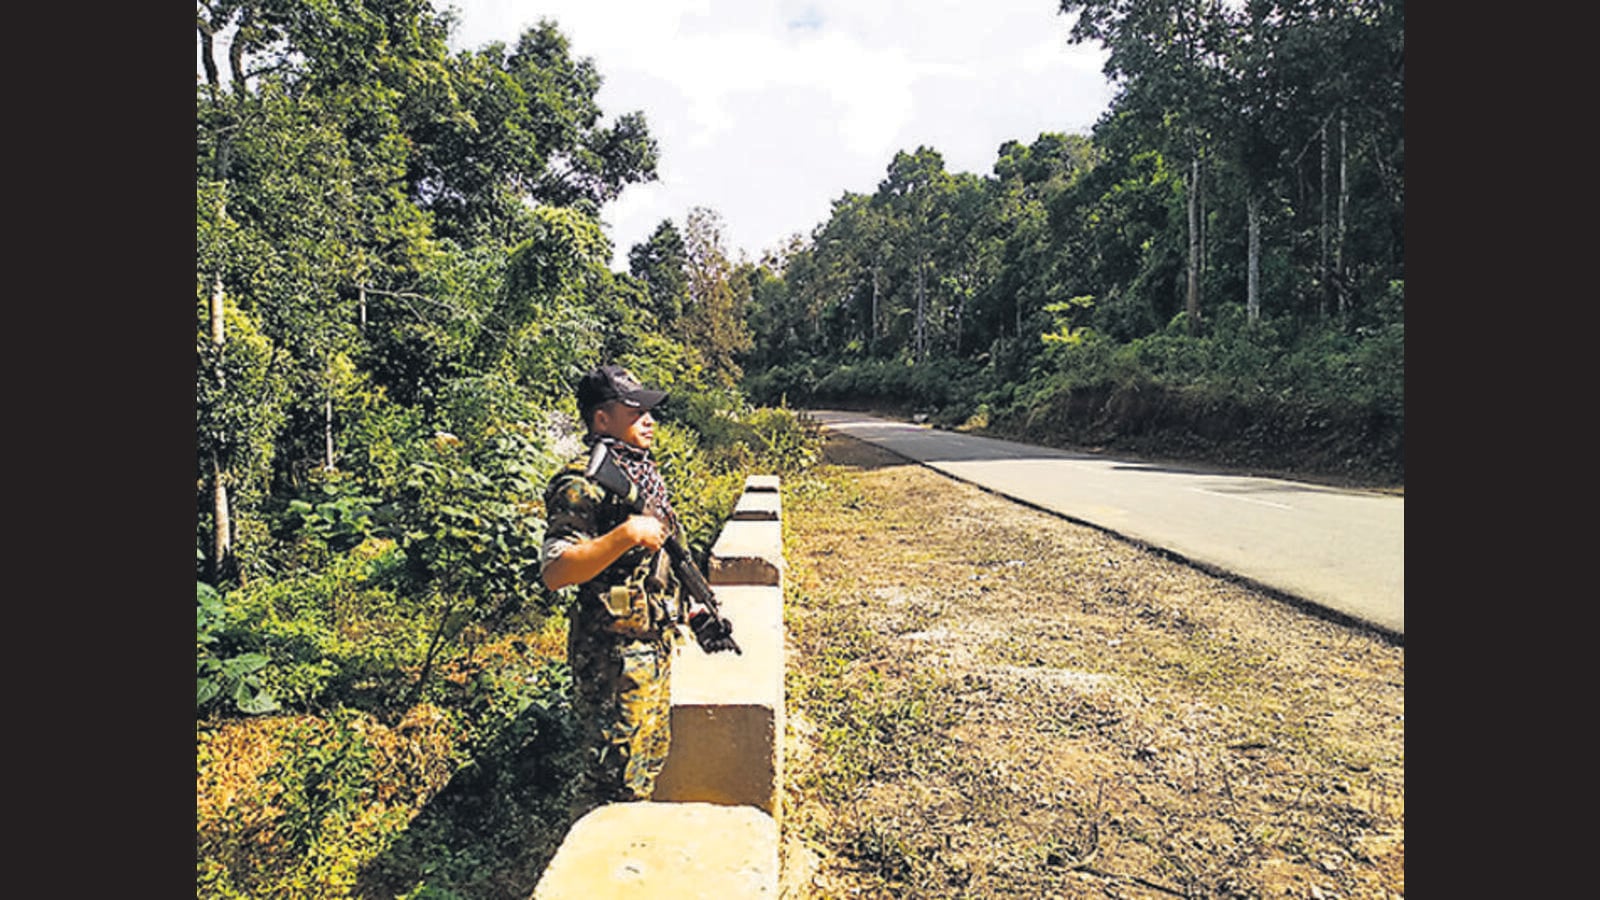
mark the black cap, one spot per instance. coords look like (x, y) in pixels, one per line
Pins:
(609, 383)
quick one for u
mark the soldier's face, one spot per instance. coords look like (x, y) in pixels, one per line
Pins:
(631, 426)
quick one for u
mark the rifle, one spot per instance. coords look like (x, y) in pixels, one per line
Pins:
(711, 629)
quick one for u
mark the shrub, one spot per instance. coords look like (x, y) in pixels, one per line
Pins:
(788, 441)
(225, 674)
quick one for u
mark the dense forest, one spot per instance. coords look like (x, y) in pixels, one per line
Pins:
(1216, 271)
(401, 270)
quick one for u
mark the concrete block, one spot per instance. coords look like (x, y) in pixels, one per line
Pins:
(763, 506)
(728, 711)
(665, 850)
(761, 483)
(748, 552)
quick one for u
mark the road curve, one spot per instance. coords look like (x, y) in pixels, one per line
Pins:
(1340, 550)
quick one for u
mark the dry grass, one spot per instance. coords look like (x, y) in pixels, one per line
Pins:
(988, 701)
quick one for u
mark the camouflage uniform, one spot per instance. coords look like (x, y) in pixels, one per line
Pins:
(621, 663)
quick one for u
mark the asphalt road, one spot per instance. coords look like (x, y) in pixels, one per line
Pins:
(1339, 550)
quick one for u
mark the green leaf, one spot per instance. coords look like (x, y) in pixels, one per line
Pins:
(244, 664)
(253, 704)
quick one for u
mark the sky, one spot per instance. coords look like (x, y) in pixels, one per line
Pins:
(766, 111)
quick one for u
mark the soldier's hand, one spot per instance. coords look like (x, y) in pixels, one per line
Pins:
(647, 531)
(714, 633)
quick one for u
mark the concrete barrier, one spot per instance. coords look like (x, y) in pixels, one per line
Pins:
(750, 548)
(757, 484)
(727, 710)
(711, 827)
(749, 551)
(671, 851)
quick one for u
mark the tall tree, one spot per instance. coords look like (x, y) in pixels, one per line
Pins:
(910, 192)
(520, 125)
(1167, 58)
(331, 140)
(713, 325)
(662, 263)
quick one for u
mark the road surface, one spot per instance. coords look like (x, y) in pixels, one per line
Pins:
(1341, 550)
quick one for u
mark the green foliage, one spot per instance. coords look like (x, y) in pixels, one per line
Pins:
(326, 635)
(899, 384)
(241, 407)
(470, 538)
(713, 325)
(771, 440)
(543, 322)
(335, 521)
(787, 442)
(659, 360)
(329, 820)
(1065, 313)
(703, 488)
(662, 262)
(505, 810)
(782, 384)
(230, 678)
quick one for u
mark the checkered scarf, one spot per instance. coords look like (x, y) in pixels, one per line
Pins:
(641, 469)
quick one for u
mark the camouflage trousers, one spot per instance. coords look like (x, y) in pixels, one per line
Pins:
(623, 705)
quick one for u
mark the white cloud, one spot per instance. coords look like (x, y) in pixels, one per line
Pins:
(768, 110)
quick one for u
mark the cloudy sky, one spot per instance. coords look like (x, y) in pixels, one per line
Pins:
(767, 111)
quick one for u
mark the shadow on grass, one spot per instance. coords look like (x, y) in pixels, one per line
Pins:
(492, 831)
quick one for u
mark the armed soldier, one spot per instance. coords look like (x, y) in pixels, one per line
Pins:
(608, 520)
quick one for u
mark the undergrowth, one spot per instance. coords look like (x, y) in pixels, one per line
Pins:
(388, 715)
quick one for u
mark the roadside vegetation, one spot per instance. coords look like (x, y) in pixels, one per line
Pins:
(1323, 405)
(365, 732)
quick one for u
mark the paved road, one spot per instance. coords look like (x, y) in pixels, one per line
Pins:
(1342, 550)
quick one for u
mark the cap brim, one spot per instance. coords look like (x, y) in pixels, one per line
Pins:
(644, 399)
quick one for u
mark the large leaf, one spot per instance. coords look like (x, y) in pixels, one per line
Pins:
(243, 664)
(251, 701)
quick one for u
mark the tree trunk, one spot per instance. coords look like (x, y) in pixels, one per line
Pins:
(961, 308)
(872, 339)
(1322, 259)
(362, 304)
(1339, 234)
(222, 521)
(1252, 295)
(922, 312)
(327, 432)
(222, 534)
(1205, 245)
(1192, 303)
(222, 525)
(1016, 306)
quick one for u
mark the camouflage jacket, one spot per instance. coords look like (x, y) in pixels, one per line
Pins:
(638, 596)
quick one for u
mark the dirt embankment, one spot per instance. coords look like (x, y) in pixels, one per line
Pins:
(989, 701)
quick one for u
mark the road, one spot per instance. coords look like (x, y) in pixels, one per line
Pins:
(1340, 550)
